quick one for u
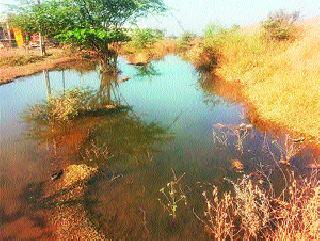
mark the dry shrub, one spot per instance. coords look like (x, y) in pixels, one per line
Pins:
(254, 211)
(297, 217)
(219, 215)
(280, 26)
(252, 206)
(68, 106)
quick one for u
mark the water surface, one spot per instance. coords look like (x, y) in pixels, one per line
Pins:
(168, 129)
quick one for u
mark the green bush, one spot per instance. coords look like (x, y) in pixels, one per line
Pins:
(185, 40)
(280, 26)
(213, 30)
(142, 38)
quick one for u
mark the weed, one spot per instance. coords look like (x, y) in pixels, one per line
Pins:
(233, 135)
(280, 26)
(172, 195)
(68, 106)
(255, 211)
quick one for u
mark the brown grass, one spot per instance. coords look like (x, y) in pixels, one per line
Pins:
(254, 211)
(281, 80)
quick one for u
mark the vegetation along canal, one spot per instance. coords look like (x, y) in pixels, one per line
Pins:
(135, 172)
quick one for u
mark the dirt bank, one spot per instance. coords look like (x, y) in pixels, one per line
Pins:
(18, 63)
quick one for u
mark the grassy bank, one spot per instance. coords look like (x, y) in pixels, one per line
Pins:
(280, 79)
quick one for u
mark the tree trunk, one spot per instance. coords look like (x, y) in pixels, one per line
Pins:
(108, 58)
(42, 46)
(41, 40)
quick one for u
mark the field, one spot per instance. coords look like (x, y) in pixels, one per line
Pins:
(280, 80)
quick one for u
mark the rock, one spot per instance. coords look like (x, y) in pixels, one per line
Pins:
(123, 79)
(56, 175)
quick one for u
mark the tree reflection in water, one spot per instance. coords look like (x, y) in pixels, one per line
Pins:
(129, 141)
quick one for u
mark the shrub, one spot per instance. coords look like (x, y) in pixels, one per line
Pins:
(213, 30)
(254, 211)
(142, 38)
(217, 41)
(65, 107)
(280, 26)
(185, 41)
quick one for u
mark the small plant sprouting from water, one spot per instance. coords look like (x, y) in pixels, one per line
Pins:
(95, 152)
(172, 195)
(224, 134)
(290, 148)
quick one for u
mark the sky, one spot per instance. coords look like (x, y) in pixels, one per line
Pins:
(194, 15)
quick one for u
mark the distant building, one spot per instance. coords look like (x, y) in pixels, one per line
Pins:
(14, 37)
(7, 37)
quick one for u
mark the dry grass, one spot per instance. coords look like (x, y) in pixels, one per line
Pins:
(281, 79)
(255, 211)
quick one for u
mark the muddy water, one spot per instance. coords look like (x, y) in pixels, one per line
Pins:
(167, 132)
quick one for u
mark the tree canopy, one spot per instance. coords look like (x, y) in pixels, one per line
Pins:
(91, 24)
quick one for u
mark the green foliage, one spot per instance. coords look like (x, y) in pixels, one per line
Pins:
(206, 55)
(91, 23)
(280, 26)
(142, 38)
(92, 38)
(185, 41)
(48, 18)
(213, 30)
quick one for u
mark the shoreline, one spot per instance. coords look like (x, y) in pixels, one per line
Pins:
(63, 60)
(66, 61)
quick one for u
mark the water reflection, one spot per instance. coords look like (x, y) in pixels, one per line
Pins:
(207, 85)
(147, 71)
(169, 126)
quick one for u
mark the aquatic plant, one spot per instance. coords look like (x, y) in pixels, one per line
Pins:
(68, 106)
(290, 148)
(95, 152)
(219, 214)
(172, 194)
(232, 135)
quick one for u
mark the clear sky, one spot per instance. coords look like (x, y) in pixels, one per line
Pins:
(194, 15)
